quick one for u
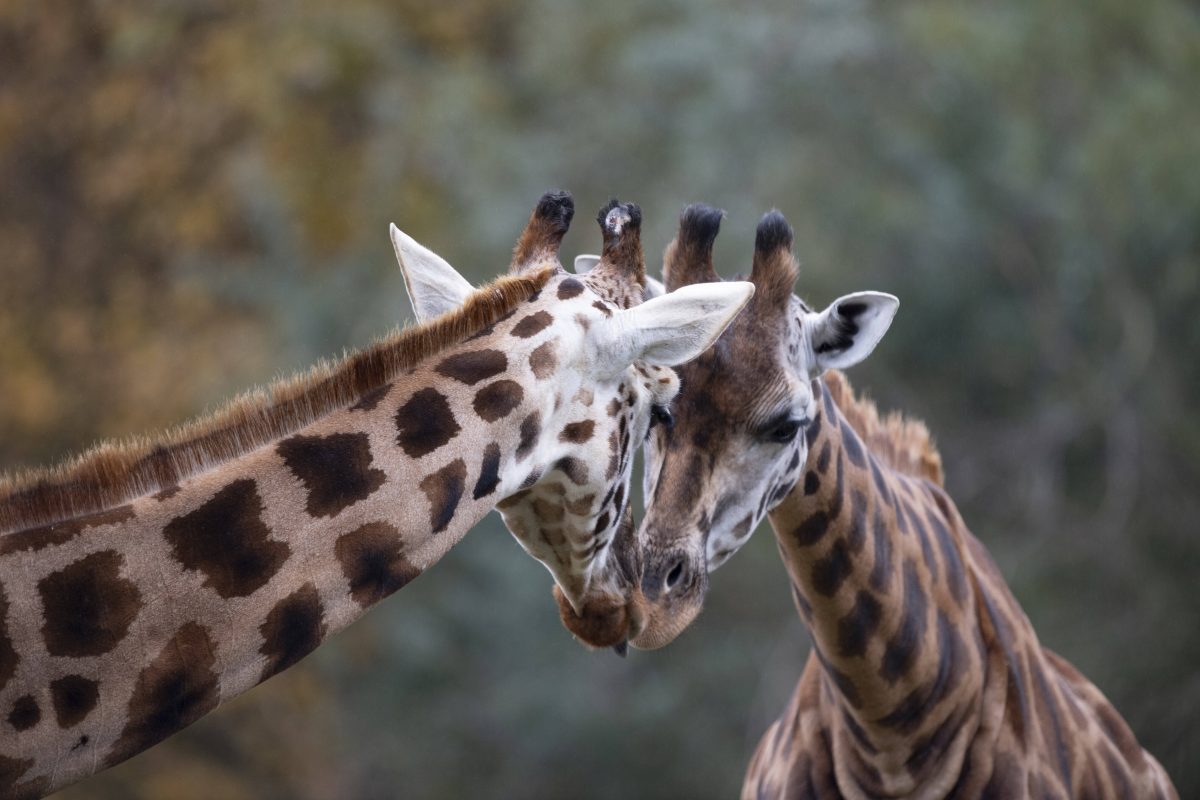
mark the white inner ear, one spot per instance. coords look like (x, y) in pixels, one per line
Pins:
(434, 287)
(849, 329)
(671, 329)
(586, 263)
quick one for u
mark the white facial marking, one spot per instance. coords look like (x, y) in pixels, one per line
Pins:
(616, 219)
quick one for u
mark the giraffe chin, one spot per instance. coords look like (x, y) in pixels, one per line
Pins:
(606, 621)
(662, 626)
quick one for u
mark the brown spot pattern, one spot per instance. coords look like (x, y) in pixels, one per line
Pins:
(489, 472)
(73, 697)
(335, 470)
(543, 360)
(25, 713)
(8, 654)
(372, 559)
(569, 288)
(11, 770)
(444, 489)
(474, 366)
(532, 325)
(87, 606)
(575, 469)
(178, 688)
(292, 630)
(577, 432)
(35, 539)
(531, 426)
(226, 540)
(426, 423)
(497, 400)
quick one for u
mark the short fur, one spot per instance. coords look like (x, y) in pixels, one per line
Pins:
(115, 472)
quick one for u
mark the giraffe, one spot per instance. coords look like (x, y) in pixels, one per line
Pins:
(925, 678)
(143, 584)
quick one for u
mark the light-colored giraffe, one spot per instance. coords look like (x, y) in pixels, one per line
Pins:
(925, 679)
(144, 584)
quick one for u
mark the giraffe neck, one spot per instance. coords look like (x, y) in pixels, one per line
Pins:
(878, 571)
(122, 627)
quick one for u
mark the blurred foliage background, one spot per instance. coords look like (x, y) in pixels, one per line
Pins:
(194, 197)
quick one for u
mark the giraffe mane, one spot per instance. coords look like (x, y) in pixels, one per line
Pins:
(115, 472)
(901, 443)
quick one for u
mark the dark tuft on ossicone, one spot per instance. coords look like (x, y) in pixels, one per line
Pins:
(773, 233)
(699, 225)
(556, 207)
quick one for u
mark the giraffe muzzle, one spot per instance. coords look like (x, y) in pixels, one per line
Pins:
(605, 621)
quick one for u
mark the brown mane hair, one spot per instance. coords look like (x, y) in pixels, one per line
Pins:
(112, 473)
(905, 445)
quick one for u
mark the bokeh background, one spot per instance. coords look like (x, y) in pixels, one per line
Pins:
(194, 197)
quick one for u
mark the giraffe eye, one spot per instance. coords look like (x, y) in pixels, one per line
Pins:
(783, 432)
(661, 415)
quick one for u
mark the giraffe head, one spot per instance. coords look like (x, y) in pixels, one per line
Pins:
(594, 363)
(739, 439)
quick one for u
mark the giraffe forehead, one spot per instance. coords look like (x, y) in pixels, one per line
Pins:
(733, 389)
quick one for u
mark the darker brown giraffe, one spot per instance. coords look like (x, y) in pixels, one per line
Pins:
(144, 584)
(925, 678)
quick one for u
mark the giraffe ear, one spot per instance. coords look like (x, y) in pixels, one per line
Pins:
(585, 263)
(846, 332)
(671, 329)
(434, 287)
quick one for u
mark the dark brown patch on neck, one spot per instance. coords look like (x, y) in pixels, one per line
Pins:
(497, 400)
(178, 688)
(901, 650)
(575, 469)
(373, 561)
(88, 607)
(570, 287)
(292, 630)
(531, 427)
(227, 541)
(489, 472)
(25, 713)
(74, 697)
(577, 432)
(11, 770)
(444, 489)
(425, 423)
(543, 360)
(532, 325)
(336, 470)
(8, 654)
(473, 366)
